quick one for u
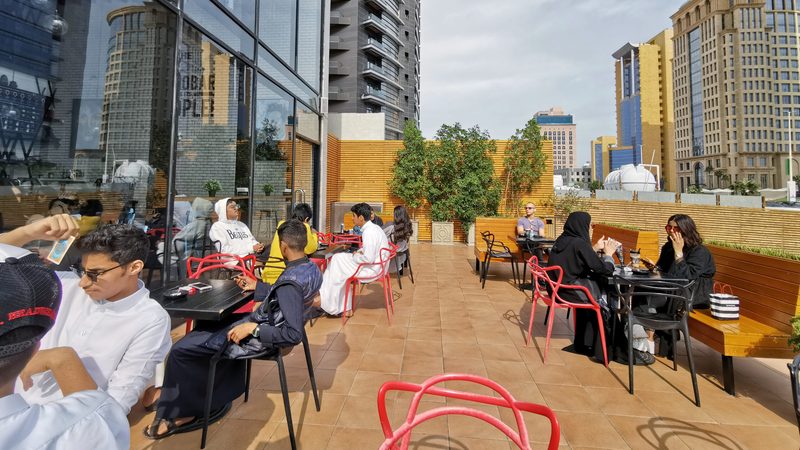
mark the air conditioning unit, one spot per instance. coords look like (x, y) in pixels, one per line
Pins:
(340, 209)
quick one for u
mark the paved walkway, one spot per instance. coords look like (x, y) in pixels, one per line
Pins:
(447, 323)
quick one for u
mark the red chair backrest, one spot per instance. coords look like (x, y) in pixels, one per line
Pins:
(346, 239)
(543, 273)
(558, 285)
(519, 437)
(243, 264)
(324, 238)
(386, 255)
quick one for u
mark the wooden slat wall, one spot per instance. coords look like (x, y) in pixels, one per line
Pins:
(748, 226)
(365, 167)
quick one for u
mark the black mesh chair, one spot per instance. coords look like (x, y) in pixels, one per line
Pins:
(406, 263)
(493, 251)
(274, 354)
(794, 366)
(678, 297)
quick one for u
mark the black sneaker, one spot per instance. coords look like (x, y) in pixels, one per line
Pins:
(640, 358)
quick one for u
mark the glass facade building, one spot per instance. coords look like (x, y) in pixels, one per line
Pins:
(128, 111)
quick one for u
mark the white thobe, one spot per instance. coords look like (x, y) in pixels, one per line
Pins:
(120, 343)
(343, 265)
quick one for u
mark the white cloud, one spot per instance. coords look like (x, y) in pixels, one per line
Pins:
(495, 64)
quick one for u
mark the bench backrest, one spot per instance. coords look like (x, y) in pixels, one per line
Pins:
(646, 241)
(348, 219)
(501, 227)
(768, 288)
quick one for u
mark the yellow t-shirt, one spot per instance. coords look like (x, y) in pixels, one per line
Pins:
(274, 268)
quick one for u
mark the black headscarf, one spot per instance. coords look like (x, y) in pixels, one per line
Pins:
(576, 226)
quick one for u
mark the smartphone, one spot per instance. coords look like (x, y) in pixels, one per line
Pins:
(201, 287)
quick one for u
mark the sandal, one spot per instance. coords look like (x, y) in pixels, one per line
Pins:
(194, 424)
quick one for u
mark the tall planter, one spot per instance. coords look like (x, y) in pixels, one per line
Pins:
(647, 241)
(442, 233)
(471, 235)
(415, 228)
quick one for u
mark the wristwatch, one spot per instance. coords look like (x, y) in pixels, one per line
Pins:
(255, 331)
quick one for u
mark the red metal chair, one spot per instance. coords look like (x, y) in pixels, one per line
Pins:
(519, 436)
(554, 301)
(324, 238)
(322, 263)
(386, 255)
(243, 264)
(350, 239)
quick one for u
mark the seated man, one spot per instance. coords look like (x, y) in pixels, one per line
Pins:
(344, 265)
(106, 314)
(234, 237)
(275, 265)
(278, 322)
(85, 417)
(530, 222)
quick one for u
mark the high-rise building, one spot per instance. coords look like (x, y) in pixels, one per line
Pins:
(560, 128)
(645, 118)
(737, 91)
(374, 60)
(599, 151)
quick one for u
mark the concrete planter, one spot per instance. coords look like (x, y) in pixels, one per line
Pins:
(471, 235)
(415, 228)
(442, 233)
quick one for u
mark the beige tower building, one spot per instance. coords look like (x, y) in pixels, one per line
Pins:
(600, 152)
(644, 98)
(560, 128)
(737, 91)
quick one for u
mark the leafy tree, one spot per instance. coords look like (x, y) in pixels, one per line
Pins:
(718, 175)
(523, 164)
(565, 203)
(409, 181)
(461, 175)
(267, 142)
(748, 187)
(796, 179)
(694, 189)
(595, 185)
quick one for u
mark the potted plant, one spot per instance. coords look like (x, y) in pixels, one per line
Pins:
(268, 189)
(212, 186)
(409, 182)
(442, 173)
(523, 165)
(478, 191)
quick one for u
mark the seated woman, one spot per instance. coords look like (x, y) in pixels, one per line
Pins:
(399, 232)
(573, 251)
(684, 256)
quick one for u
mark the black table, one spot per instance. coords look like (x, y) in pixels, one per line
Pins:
(639, 276)
(223, 299)
(531, 246)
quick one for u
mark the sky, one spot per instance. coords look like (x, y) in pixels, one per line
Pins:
(495, 64)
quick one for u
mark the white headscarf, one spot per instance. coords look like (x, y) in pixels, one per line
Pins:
(221, 208)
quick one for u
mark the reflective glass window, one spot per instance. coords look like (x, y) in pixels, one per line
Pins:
(244, 10)
(85, 112)
(277, 27)
(309, 41)
(214, 21)
(277, 71)
(213, 149)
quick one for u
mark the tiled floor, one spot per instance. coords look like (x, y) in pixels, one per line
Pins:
(446, 322)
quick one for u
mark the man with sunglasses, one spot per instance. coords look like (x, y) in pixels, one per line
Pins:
(530, 222)
(106, 313)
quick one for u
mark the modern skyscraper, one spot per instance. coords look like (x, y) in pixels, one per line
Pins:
(374, 60)
(737, 91)
(559, 127)
(645, 118)
(599, 151)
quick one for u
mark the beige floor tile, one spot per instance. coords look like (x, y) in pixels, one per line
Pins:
(305, 411)
(367, 384)
(361, 412)
(646, 432)
(381, 363)
(749, 436)
(670, 404)
(242, 434)
(339, 360)
(384, 346)
(334, 381)
(507, 371)
(589, 430)
(307, 436)
(617, 401)
(354, 438)
(422, 365)
(500, 352)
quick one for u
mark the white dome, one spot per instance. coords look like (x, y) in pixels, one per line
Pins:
(630, 178)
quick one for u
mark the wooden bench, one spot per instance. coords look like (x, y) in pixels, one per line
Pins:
(646, 241)
(769, 296)
(502, 228)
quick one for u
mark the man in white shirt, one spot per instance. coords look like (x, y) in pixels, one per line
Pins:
(234, 237)
(106, 314)
(85, 417)
(344, 265)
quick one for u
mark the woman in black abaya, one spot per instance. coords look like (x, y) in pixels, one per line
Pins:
(573, 251)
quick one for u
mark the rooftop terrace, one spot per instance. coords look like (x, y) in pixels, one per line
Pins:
(447, 323)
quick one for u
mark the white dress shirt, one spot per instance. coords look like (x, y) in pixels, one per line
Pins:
(83, 420)
(120, 343)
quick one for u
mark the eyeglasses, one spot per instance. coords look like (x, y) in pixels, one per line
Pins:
(530, 207)
(93, 274)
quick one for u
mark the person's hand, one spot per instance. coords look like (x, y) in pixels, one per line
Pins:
(43, 361)
(246, 283)
(241, 331)
(258, 248)
(610, 246)
(599, 244)
(53, 228)
(677, 243)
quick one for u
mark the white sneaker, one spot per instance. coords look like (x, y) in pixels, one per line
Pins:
(651, 346)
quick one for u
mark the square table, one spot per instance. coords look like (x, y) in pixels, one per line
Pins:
(224, 298)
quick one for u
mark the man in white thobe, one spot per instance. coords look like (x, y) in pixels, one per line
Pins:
(343, 265)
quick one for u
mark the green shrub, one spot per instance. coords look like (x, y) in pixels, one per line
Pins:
(766, 251)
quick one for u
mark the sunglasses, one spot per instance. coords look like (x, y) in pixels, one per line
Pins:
(93, 274)
(235, 206)
(671, 229)
(529, 207)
